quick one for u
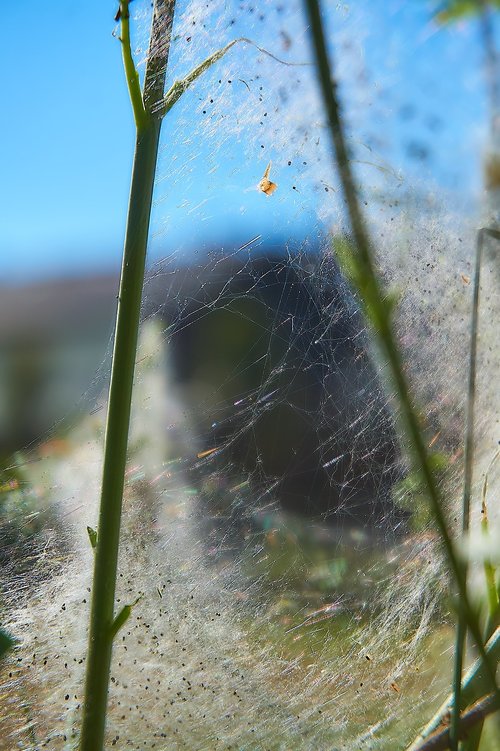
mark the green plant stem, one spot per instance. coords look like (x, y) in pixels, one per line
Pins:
(115, 452)
(131, 74)
(378, 311)
(120, 396)
(490, 573)
(461, 634)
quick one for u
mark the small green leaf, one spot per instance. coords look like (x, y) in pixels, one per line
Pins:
(120, 620)
(122, 617)
(92, 536)
(492, 232)
(455, 10)
(6, 642)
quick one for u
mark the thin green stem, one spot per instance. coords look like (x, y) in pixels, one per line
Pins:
(131, 74)
(102, 619)
(378, 311)
(490, 573)
(461, 634)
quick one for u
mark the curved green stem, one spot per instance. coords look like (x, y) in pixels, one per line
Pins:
(378, 311)
(461, 634)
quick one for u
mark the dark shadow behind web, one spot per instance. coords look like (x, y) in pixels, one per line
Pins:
(283, 395)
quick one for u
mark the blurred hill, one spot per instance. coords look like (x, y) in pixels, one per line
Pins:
(52, 309)
(53, 335)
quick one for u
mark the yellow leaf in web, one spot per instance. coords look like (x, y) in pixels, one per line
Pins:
(265, 185)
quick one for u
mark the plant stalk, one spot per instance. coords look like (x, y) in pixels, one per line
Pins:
(461, 633)
(468, 471)
(378, 311)
(117, 428)
(148, 127)
(490, 570)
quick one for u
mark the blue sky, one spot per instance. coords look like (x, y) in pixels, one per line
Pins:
(67, 132)
(66, 135)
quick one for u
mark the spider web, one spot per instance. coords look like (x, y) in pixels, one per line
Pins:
(291, 592)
